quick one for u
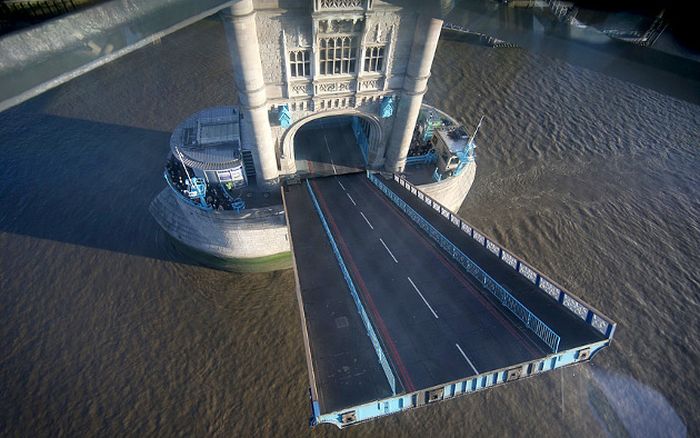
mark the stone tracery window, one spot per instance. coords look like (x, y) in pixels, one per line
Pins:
(300, 63)
(337, 55)
(374, 59)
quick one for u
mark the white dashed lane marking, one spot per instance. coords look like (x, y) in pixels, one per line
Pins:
(422, 297)
(467, 359)
(388, 250)
(366, 220)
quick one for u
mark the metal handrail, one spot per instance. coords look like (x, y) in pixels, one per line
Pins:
(183, 197)
(574, 304)
(429, 158)
(531, 321)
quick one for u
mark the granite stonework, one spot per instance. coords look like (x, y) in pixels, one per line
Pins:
(266, 39)
(267, 79)
(255, 234)
(451, 192)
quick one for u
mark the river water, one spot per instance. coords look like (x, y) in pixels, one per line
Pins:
(107, 329)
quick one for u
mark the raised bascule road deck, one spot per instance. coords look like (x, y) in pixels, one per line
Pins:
(404, 304)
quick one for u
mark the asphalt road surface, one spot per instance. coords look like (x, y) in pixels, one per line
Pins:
(327, 146)
(436, 324)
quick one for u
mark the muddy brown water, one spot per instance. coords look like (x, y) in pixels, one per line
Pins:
(107, 329)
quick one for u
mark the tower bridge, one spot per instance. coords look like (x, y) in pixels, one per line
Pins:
(405, 304)
(402, 302)
(359, 58)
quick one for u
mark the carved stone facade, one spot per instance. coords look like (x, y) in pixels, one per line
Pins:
(332, 57)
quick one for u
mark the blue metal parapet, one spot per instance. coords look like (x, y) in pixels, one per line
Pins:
(532, 322)
(360, 136)
(429, 158)
(572, 303)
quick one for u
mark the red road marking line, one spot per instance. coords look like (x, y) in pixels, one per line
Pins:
(428, 244)
(405, 376)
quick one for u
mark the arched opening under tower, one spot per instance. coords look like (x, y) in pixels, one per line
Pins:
(333, 145)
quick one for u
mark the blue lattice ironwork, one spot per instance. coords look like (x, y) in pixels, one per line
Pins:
(238, 205)
(360, 136)
(429, 158)
(284, 116)
(584, 311)
(428, 122)
(532, 322)
(386, 108)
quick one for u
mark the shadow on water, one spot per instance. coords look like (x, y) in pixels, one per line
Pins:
(83, 183)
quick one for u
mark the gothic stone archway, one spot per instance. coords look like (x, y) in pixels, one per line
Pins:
(376, 140)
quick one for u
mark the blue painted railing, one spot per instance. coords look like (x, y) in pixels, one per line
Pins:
(355, 296)
(204, 207)
(532, 322)
(577, 306)
(430, 157)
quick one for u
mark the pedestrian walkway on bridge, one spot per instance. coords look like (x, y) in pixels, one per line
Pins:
(402, 307)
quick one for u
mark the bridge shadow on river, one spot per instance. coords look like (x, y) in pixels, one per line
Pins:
(83, 183)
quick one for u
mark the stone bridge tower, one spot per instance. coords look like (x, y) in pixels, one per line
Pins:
(299, 60)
